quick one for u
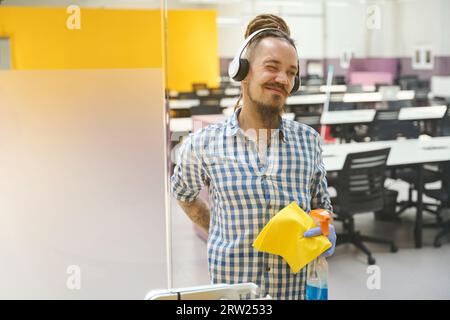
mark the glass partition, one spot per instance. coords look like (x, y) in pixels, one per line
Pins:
(83, 151)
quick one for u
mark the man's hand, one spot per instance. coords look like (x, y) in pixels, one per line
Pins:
(198, 211)
(314, 232)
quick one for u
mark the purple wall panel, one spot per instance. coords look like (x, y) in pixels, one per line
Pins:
(399, 66)
(441, 68)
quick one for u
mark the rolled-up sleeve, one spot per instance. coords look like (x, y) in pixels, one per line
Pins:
(320, 197)
(187, 179)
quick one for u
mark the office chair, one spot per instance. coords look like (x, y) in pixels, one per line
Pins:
(314, 80)
(204, 110)
(443, 209)
(309, 118)
(217, 92)
(386, 126)
(354, 88)
(360, 189)
(186, 95)
(398, 104)
(420, 86)
(444, 125)
(405, 81)
(198, 86)
(409, 175)
(210, 101)
(338, 80)
(338, 106)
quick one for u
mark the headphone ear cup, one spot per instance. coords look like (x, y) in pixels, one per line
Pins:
(296, 84)
(243, 70)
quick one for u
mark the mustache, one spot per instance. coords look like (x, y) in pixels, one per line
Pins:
(276, 86)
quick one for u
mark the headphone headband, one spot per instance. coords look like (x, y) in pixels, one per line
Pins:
(233, 68)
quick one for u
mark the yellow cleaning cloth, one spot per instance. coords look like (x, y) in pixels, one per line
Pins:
(283, 235)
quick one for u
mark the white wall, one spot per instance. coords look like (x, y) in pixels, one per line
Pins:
(305, 21)
(445, 27)
(403, 25)
(345, 28)
(423, 23)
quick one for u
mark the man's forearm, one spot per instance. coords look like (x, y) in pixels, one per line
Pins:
(198, 211)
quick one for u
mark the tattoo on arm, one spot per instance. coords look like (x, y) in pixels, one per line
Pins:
(198, 211)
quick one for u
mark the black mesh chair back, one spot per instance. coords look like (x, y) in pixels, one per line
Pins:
(338, 106)
(310, 119)
(354, 88)
(361, 182)
(206, 109)
(398, 104)
(210, 101)
(386, 126)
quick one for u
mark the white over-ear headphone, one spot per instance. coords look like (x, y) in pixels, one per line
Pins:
(238, 68)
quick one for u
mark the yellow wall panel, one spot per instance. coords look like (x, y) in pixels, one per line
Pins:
(193, 48)
(106, 39)
(113, 38)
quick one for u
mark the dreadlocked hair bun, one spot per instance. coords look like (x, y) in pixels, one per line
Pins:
(267, 21)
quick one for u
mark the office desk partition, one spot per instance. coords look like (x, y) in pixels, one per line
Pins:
(404, 153)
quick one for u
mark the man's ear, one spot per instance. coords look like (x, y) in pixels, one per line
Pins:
(247, 77)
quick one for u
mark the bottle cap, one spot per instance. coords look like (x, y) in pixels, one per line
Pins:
(324, 218)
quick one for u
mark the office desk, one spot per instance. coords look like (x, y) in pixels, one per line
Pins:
(376, 96)
(181, 124)
(184, 104)
(422, 113)
(347, 116)
(232, 91)
(228, 102)
(306, 99)
(410, 153)
(191, 124)
(310, 99)
(429, 117)
(335, 88)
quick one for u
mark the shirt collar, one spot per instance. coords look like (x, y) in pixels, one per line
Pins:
(233, 125)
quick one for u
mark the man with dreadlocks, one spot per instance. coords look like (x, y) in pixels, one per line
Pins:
(254, 164)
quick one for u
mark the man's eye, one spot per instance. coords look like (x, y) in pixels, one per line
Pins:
(272, 68)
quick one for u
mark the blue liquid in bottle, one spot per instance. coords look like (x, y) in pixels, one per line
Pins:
(316, 293)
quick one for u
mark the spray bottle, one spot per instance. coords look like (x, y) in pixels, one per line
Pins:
(317, 276)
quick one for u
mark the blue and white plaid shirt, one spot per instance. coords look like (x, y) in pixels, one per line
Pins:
(247, 189)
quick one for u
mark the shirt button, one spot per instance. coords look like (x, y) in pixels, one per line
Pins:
(269, 206)
(267, 269)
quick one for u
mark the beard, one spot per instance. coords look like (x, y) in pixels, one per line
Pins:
(268, 112)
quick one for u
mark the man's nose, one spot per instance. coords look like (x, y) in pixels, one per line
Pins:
(282, 78)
